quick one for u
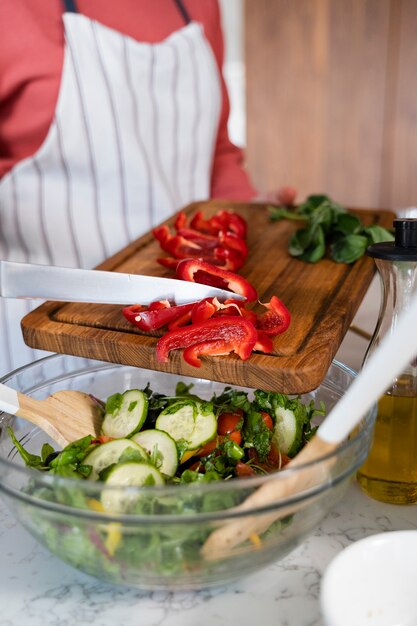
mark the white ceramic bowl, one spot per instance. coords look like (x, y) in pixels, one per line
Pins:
(373, 582)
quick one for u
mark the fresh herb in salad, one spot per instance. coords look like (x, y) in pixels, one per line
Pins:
(329, 230)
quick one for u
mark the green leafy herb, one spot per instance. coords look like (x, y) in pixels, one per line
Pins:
(329, 231)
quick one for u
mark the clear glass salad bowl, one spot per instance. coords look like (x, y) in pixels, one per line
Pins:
(160, 547)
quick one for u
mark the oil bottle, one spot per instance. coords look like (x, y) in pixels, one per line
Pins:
(390, 471)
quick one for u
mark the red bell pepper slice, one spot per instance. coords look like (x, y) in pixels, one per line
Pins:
(180, 220)
(214, 336)
(168, 261)
(210, 307)
(177, 246)
(230, 240)
(204, 310)
(276, 319)
(206, 242)
(228, 259)
(131, 312)
(153, 318)
(182, 320)
(222, 220)
(196, 270)
(264, 343)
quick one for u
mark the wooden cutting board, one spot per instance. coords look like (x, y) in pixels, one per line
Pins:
(323, 299)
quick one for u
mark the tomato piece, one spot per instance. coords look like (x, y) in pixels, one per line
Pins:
(267, 419)
(102, 439)
(236, 436)
(209, 447)
(243, 470)
(228, 422)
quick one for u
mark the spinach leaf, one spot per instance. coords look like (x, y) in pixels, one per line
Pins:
(31, 460)
(329, 231)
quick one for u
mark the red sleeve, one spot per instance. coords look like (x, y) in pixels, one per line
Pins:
(229, 179)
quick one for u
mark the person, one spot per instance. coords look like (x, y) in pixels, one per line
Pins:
(113, 116)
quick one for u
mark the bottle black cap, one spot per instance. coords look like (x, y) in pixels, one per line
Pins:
(404, 248)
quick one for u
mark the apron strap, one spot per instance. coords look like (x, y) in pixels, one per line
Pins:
(70, 6)
(181, 8)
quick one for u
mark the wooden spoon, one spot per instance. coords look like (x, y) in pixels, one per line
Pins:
(65, 415)
(394, 353)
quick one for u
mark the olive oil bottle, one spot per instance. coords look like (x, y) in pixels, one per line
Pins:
(390, 472)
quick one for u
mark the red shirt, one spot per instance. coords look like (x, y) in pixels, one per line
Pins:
(31, 57)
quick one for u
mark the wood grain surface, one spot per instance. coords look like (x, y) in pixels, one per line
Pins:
(323, 299)
(331, 103)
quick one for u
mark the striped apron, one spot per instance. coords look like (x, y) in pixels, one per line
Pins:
(132, 140)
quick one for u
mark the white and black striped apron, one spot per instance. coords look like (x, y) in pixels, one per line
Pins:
(132, 140)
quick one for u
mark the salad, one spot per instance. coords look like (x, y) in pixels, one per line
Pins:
(153, 441)
(150, 439)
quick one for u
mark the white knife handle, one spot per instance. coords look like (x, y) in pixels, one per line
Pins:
(8, 400)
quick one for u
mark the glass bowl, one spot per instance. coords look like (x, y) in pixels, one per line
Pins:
(160, 548)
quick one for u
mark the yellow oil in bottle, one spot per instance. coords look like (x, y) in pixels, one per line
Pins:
(390, 472)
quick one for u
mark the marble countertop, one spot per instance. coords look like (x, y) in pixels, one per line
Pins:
(37, 589)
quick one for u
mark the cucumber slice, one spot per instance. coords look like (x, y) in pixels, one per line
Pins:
(161, 448)
(128, 475)
(288, 431)
(108, 453)
(191, 424)
(125, 413)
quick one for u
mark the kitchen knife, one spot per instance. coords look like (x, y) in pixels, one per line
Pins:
(27, 280)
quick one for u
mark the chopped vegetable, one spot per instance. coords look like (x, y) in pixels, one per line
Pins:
(219, 240)
(151, 318)
(196, 270)
(113, 452)
(275, 320)
(125, 413)
(161, 449)
(213, 336)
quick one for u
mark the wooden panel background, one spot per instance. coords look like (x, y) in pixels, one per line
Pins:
(332, 98)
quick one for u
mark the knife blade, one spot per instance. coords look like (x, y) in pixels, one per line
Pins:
(65, 284)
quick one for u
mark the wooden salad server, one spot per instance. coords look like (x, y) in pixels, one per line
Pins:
(65, 415)
(386, 362)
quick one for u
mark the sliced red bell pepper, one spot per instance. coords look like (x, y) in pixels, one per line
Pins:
(210, 307)
(177, 246)
(222, 220)
(153, 318)
(132, 311)
(231, 240)
(180, 220)
(228, 259)
(204, 310)
(205, 226)
(276, 319)
(182, 320)
(199, 271)
(213, 336)
(168, 261)
(264, 343)
(212, 348)
(206, 242)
